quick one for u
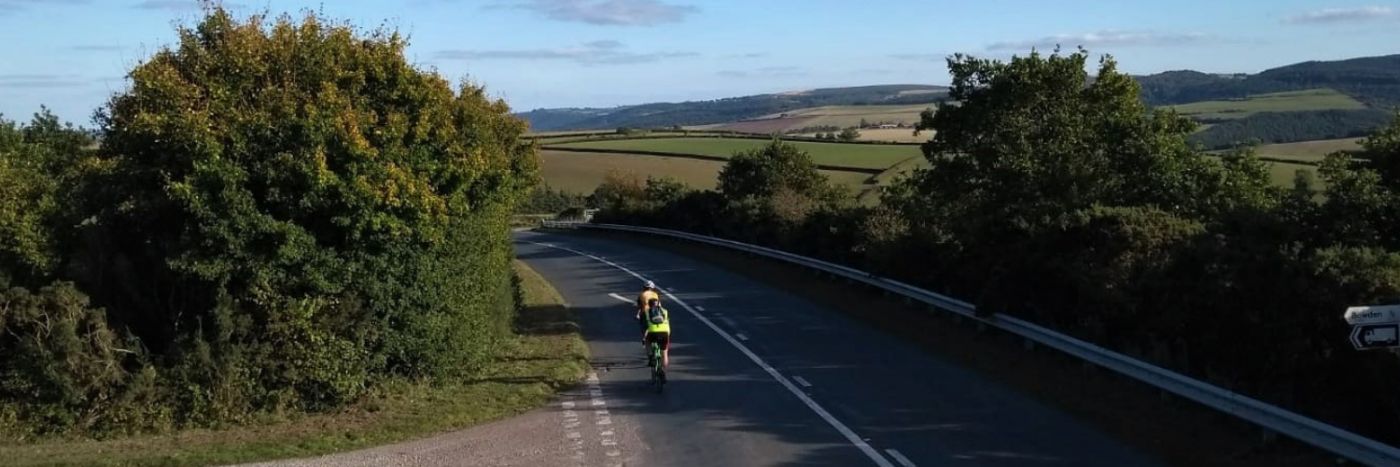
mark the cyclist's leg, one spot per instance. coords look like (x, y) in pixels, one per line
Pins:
(664, 339)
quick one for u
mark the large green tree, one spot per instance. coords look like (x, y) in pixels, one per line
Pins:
(286, 211)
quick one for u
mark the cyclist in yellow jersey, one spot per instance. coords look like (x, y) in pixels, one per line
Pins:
(648, 295)
(658, 330)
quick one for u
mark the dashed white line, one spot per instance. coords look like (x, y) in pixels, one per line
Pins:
(619, 297)
(729, 322)
(700, 308)
(845, 431)
(904, 461)
(741, 336)
(801, 381)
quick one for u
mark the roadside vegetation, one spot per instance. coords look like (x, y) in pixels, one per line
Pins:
(282, 220)
(544, 354)
(1068, 201)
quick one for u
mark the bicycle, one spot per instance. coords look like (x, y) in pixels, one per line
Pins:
(658, 371)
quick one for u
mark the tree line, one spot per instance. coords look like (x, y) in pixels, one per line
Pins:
(1063, 198)
(281, 215)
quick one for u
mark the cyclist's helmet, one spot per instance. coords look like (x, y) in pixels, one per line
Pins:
(651, 285)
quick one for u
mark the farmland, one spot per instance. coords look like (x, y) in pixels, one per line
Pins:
(581, 172)
(841, 116)
(1309, 150)
(868, 156)
(1312, 99)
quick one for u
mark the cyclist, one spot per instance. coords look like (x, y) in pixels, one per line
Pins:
(658, 330)
(649, 294)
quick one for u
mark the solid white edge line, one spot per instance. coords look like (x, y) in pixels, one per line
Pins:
(802, 381)
(904, 461)
(619, 297)
(811, 404)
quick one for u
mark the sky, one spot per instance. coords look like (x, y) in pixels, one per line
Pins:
(72, 55)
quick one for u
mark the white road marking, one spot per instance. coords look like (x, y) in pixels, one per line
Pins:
(604, 421)
(619, 297)
(741, 336)
(700, 308)
(904, 461)
(729, 322)
(568, 404)
(845, 431)
(801, 381)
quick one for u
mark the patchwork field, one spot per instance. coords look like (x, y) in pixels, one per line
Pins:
(581, 172)
(869, 156)
(841, 116)
(1309, 150)
(1312, 99)
(893, 135)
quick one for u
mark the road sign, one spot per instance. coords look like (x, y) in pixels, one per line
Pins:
(1373, 314)
(1375, 336)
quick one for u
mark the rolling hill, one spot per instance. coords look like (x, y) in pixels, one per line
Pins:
(1375, 81)
(733, 109)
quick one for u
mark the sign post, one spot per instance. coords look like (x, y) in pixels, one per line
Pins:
(1374, 327)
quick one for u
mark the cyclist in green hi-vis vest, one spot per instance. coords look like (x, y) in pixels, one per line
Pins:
(658, 329)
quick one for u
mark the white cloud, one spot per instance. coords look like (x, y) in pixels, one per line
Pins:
(1344, 15)
(1110, 38)
(765, 72)
(604, 12)
(604, 52)
(921, 57)
(15, 6)
(40, 81)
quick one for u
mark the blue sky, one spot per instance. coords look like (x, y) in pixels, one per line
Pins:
(72, 54)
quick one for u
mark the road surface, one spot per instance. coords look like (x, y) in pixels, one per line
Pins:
(758, 377)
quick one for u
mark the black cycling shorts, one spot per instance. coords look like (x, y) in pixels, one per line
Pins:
(661, 338)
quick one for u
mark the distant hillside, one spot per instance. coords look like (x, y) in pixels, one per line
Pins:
(1374, 81)
(726, 110)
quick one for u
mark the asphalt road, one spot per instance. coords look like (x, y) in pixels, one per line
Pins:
(764, 377)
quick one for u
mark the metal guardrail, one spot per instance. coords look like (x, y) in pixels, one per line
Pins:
(1324, 436)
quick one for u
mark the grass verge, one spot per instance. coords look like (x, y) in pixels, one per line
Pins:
(1177, 431)
(546, 354)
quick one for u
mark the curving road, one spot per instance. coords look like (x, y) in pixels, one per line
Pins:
(759, 377)
(763, 377)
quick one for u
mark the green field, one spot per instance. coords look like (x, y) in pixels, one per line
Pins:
(1312, 99)
(581, 172)
(1282, 174)
(1308, 150)
(868, 156)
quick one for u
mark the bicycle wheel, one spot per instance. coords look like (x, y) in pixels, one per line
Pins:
(658, 372)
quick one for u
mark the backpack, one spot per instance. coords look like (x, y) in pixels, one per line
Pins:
(656, 314)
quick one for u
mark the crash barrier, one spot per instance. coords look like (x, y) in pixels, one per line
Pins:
(1336, 440)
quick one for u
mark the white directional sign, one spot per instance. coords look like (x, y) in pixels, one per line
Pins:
(1375, 336)
(1373, 314)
